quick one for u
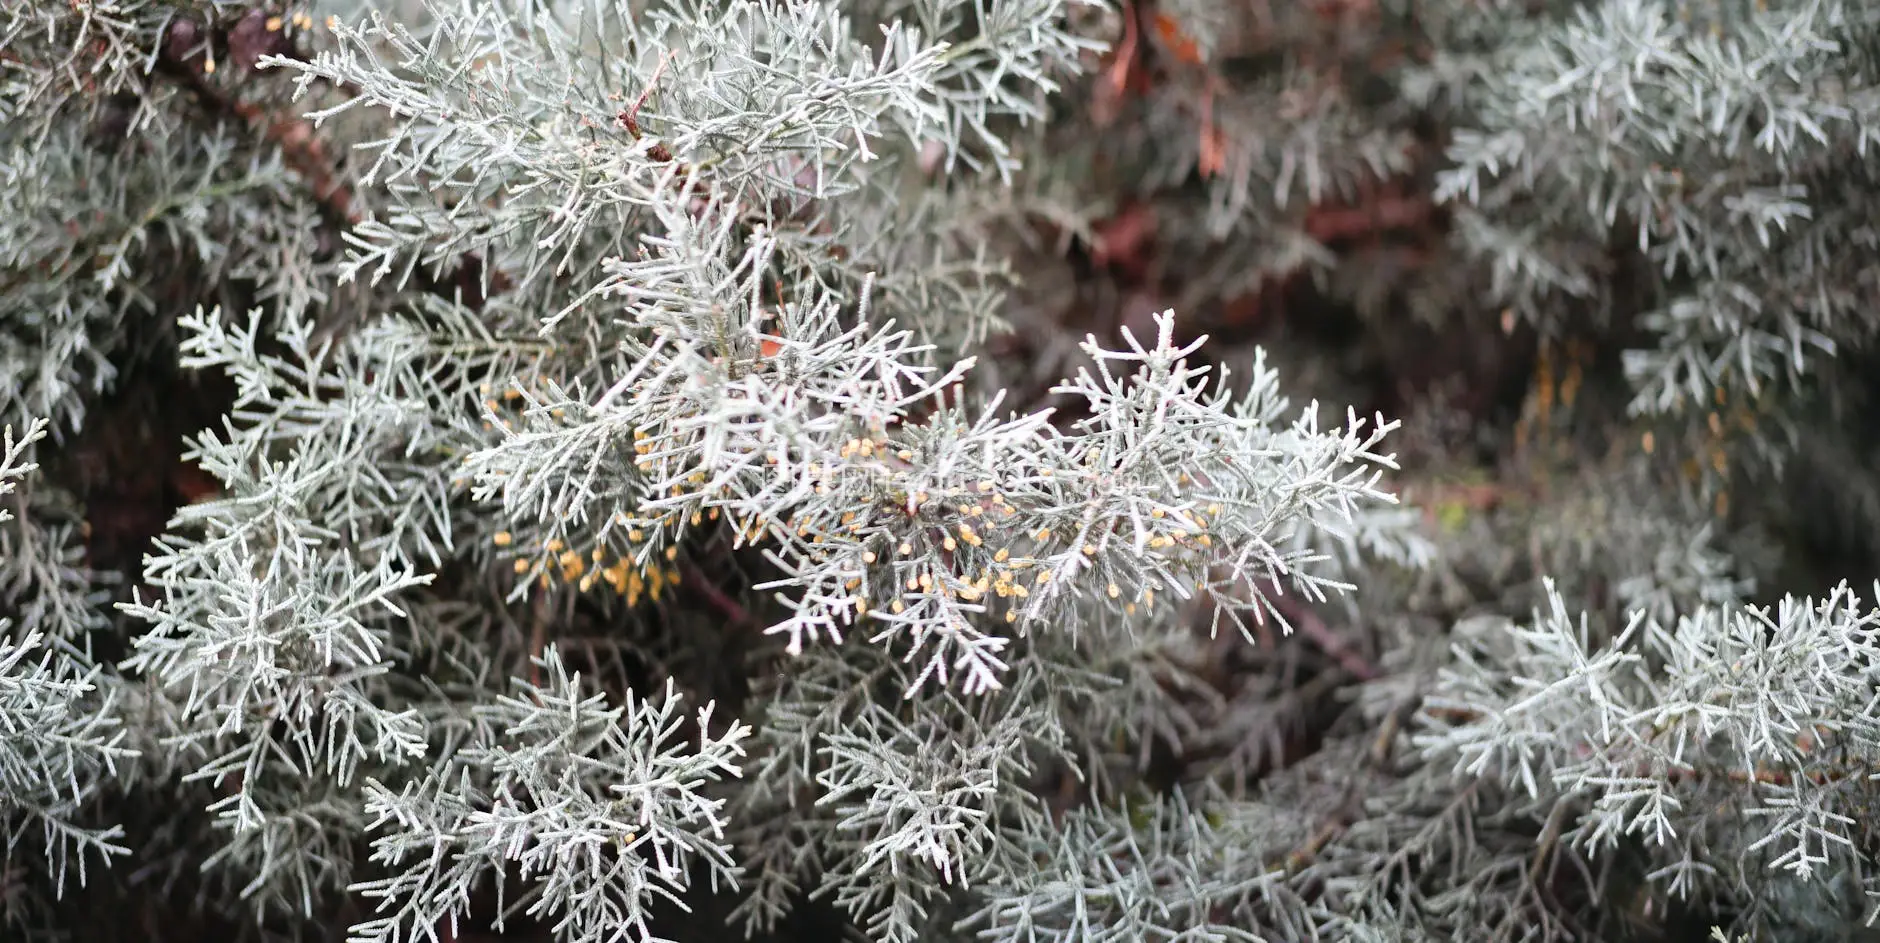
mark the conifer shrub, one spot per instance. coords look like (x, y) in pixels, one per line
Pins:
(908, 470)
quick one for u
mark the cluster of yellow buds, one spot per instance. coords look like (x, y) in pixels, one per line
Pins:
(999, 581)
(556, 562)
(1552, 387)
(1721, 425)
(510, 395)
(1004, 582)
(981, 526)
(865, 448)
(1183, 526)
(299, 20)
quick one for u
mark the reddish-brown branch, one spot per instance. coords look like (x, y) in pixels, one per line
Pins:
(538, 635)
(304, 153)
(1308, 624)
(1332, 223)
(300, 147)
(1117, 75)
(696, 581)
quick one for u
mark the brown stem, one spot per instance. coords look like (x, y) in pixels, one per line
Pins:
(1304, 854)
(538, 635)
(300, 147)
(697, 581)
(1314, 628)
(304, 152)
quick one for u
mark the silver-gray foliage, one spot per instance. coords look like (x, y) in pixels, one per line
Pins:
(61, 735)
(583, 353)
